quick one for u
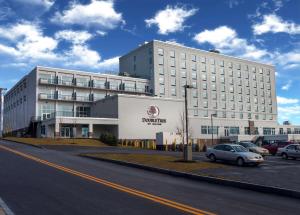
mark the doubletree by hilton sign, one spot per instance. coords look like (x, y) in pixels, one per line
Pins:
(153, 119)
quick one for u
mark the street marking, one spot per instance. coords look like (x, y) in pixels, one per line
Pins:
(5, 208)
(157, 199)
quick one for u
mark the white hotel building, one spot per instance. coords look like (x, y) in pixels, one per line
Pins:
(239, 94)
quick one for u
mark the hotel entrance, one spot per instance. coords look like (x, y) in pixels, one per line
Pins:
(66, 132)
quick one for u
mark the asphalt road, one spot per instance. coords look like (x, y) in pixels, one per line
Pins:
(273, 172)
(32, 187)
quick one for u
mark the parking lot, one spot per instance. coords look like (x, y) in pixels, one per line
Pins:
(275, 171)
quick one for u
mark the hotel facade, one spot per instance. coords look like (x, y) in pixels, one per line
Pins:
(237, 96)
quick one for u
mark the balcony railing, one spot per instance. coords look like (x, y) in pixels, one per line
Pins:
(65, 97)
(100, 86)
(83, 98)
(47, 80)
(82, 84)
(65, 82)
(47, 96)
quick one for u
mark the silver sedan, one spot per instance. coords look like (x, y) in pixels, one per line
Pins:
(289, 151)
(235, 153)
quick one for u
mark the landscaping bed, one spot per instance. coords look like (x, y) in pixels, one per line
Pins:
(159, 161)
(57, 141)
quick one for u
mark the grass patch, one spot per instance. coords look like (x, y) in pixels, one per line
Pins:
(160, 161)
(52, 141)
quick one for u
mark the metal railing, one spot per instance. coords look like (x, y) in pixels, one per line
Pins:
(47, 96)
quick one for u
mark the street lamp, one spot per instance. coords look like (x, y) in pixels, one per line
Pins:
(187, 147)
(212, 127)
(2, 90)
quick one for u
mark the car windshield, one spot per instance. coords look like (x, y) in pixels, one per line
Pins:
(239, 149)
(248, 144)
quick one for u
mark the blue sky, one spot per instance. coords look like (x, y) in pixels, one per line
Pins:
(90, 35)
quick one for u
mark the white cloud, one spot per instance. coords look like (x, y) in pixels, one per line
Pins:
(275, 24)
(287, 86)
(98, 13)
(288, 112)
(284, 101)
(28, 41)
(111, 64)
(227, 41)
(171, 19)
(289, 60)
(76, 37)
(47, 4)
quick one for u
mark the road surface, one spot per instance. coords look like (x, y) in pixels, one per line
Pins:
(41, 181)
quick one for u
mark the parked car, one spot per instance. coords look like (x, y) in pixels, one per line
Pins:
(273, 147)
(254, 148)
(234, 153)
(289, 151)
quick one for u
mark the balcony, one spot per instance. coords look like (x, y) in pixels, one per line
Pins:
(65, 97)
(83, 98)
(100, 86)
(47, 81)
(47, 96)
(82, 84)
(65, 82)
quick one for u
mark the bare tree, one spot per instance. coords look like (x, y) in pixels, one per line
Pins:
(180, 129)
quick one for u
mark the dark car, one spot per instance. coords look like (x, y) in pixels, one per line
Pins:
(273, 147)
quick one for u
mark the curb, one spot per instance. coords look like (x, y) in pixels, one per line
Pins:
(208, 179)
(27, 144)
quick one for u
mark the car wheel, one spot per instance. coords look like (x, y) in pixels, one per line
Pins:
(212, 158)
(284, 156)
(240, 162)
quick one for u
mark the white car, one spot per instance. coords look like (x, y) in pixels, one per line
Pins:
(234, 153)
(289, 151)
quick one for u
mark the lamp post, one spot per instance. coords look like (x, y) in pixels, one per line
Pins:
(187, 148)
(212, 127)
(1, 109)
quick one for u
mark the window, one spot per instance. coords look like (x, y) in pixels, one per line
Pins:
(173, 72)
(160, 60)
(222, 88)
(213, 70)
(268, 131)
(172, 62)
(195, 112)
(183, 56)
(161, 70)
(195, 102)
(203, 60)
(173, 81)
(172, 54)
(173, 91)
(83, 111)
(195, 93)
(205, 104)
(204, 94)
(230, 73)
(223, 96)
(221, 63)
(234, 130)
(214, 95)
(221, 71)
(212, 61)
(161, 79)
(183, 65)
(193, 57)
(183, 73)
(43, 130)
(222, 79)
(194, 84)
(214, 105)
(160, 51)
(194, 75)
(231, 89)
(204, 85)
(213, 87)
(194, 66)
(162, 90)
(204, 77)
(213, 78)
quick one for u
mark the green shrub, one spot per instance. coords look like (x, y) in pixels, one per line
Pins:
(109, 139)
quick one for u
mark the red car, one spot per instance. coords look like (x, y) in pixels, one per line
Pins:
(273, 147)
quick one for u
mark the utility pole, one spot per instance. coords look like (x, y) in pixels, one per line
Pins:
(2, 90)
(187, 150)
